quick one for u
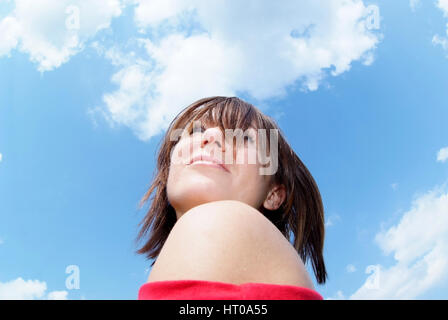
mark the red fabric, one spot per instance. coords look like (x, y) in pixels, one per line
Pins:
(214, 290)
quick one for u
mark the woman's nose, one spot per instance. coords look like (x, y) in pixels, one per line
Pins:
(213, 135)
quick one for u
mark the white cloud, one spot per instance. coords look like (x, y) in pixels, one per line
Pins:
(152, 13)
(9, 35)
(443, 5)
(205, 48)
(394, 186)
(53, 31)
(1, 157)
(331, 220)
(350, 268)
(57, 295)
(442, 155)
(419, 243)
(125, 104)
(20, 289)
(440, 40)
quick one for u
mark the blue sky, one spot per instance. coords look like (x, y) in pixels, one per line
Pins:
(83, 108)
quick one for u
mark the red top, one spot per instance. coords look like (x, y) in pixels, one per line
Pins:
(214, 290)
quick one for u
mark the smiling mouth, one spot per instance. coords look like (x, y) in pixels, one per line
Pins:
(208, 161)
(208, 164)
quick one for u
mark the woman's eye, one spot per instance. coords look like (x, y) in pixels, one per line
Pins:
(248, 138)
(201, 129)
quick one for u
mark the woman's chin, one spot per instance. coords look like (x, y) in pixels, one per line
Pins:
(190, 190)
(206, 181)
(204, 196)
(198, 197)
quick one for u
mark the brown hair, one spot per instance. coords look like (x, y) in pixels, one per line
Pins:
(301, 213)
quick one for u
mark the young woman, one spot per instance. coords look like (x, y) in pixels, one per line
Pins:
(219, 223)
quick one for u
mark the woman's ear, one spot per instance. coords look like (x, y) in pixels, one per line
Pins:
(275, 197)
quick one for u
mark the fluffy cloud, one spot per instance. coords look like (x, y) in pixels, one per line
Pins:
(53, 31)
(198, 48)
(58, 295)
(442, 155)
(443, 5)
(152, 13)
(1, 157)
(20, 289)
(419, 244)
(331, 220)
(9, 35)
(441, 40)
(205, 48)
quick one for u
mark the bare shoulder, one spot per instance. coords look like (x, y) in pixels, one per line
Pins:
(229, 241)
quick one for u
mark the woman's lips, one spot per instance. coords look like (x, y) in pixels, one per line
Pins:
(207, 163)
(207, 160)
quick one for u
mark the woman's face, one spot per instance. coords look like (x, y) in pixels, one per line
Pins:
(192, 182)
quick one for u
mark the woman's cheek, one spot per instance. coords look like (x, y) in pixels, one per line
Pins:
(179, 157)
